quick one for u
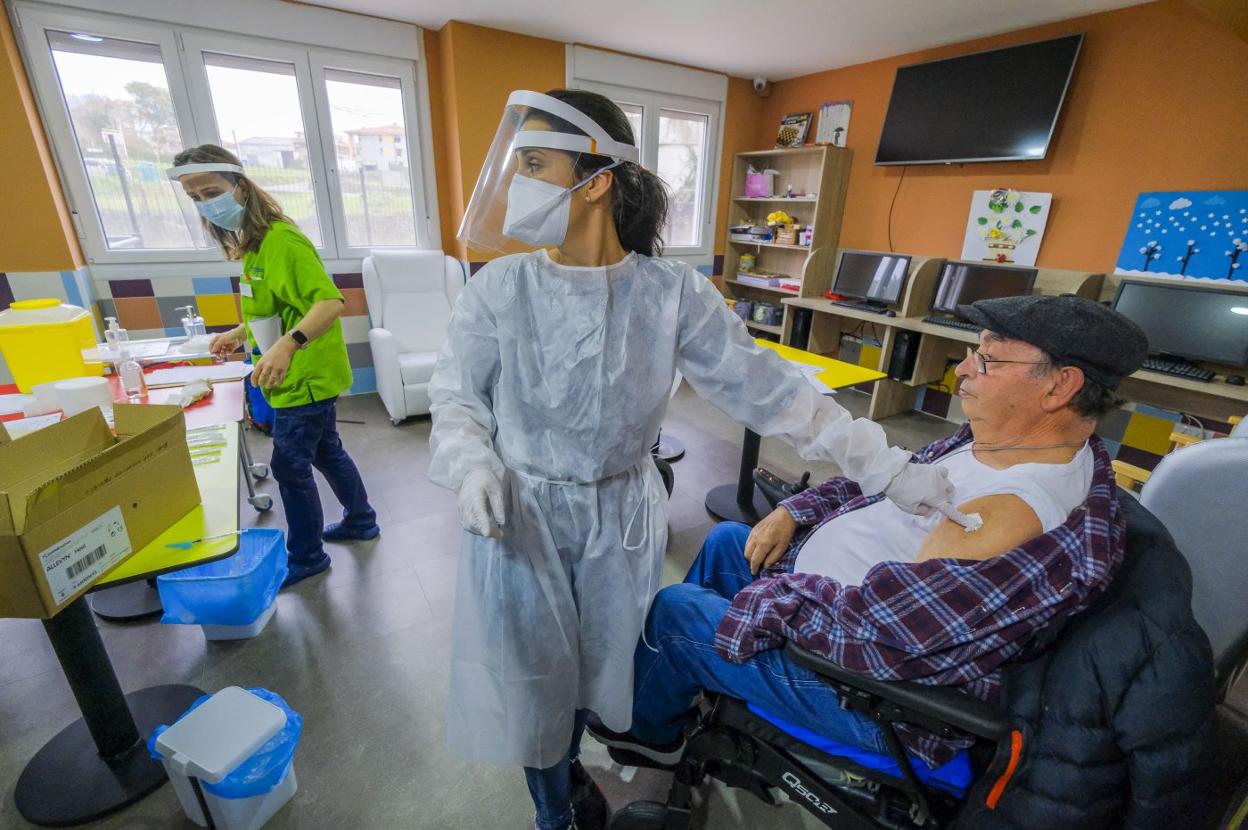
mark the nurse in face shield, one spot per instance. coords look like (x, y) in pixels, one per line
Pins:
(548, 393)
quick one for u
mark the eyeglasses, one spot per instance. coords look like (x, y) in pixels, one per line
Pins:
(982, 362)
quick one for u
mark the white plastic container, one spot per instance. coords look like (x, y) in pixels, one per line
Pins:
(239, 632)
(80, 394)
(210, 743)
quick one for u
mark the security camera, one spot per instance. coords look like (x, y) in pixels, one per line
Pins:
(760, 85)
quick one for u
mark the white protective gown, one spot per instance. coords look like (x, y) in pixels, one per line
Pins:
(557, 378)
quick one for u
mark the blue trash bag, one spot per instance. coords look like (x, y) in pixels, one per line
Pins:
(264, 770)
(259, 413)
(235, 590)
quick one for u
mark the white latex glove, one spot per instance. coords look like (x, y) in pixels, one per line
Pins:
(481, 503)
(920, 488)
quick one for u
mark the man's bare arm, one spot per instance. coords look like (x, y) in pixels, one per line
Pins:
(1008, 522)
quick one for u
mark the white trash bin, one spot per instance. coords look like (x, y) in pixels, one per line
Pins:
(212, 741)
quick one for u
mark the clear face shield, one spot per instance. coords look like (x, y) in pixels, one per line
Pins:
(222, 210)
(523, 195)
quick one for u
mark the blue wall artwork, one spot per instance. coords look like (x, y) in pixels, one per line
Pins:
(1188, 234)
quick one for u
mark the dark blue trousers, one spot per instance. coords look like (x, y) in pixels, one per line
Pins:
(305, 437)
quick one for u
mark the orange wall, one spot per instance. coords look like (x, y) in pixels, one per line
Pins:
(1156, 103)
(740, 117)
(36, 233)
(445, 155)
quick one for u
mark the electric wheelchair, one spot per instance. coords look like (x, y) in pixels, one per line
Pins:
(848, 788)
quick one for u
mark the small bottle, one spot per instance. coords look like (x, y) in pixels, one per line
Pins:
(188, 319)
(132, 379)
(197, 323)
(114, 333)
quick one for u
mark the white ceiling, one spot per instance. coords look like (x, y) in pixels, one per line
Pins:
(776, 40)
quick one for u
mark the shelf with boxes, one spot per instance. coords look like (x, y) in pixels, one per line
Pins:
(913, 352)
(767, 270)
(916, 352)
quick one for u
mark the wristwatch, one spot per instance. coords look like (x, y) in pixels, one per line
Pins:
(301, 339)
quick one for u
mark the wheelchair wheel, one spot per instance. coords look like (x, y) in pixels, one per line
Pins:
(640, 815)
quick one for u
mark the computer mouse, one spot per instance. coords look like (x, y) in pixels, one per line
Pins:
(891, 313)
(1235, 380)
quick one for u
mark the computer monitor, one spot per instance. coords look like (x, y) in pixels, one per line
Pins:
(1194, 323)
(868, 275)
(962, 283)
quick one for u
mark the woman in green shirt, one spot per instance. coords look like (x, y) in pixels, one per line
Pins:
(287, 295)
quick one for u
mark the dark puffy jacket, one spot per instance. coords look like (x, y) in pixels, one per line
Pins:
(1117, 712)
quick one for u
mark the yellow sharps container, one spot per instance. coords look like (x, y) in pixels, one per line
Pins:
(42, 341)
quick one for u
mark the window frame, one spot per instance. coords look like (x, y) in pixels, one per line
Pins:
(54, 110)
(322, 59)
(180, 47)
(652, 104)
(194, 44)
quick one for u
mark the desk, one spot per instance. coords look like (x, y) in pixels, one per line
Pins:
(128, 599)
(225, 404)
(1215, 399)
(741, 502)
(99, 763)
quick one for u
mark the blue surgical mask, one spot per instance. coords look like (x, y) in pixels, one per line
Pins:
(224, 211)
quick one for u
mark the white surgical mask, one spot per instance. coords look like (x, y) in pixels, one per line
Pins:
(537, 211)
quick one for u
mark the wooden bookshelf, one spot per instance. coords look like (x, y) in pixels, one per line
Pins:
(941, 344)
(822, 173)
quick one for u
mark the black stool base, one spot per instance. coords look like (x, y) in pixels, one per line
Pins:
(131, 601)
(721, 502)
(68, 783)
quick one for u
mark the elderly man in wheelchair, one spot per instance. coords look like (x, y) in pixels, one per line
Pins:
(885, 670)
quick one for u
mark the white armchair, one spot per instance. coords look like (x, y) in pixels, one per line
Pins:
(410, 295)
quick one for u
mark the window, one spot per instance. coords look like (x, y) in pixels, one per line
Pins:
(370, 148)
(125, 133)
(331, 135)
(677, 130)
(681, 164)
(675, 136)
(258, 117)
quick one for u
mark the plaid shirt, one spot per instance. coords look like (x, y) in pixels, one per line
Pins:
(944, 622)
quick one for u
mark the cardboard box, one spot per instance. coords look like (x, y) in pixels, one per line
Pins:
(787, 234)
(77, 501)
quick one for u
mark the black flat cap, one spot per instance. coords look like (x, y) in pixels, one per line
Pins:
(1077, 332)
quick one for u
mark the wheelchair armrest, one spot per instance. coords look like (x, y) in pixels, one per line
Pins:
(939, 708)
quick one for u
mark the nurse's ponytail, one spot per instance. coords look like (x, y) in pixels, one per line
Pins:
(638, 197)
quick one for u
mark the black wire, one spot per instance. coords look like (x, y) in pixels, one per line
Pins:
(900, 179)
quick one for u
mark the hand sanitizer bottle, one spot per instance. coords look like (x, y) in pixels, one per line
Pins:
(132, 379)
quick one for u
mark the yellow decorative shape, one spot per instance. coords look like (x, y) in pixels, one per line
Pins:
(218, 309)
(869, 356)
(837, 374)
(1148, 433)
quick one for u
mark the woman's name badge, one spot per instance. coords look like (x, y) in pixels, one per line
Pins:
(244, 289)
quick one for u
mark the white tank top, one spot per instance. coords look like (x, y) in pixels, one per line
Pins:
(850, 545)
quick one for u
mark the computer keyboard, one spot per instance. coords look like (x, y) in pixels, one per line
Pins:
(952, 323)
(875, 309)
(1178, 368)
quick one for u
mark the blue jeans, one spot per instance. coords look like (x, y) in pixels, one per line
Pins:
(551, 788)
(681, 628)
(305, 437)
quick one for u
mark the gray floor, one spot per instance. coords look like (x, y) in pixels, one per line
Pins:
(362, 652)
